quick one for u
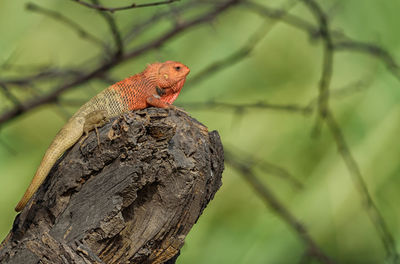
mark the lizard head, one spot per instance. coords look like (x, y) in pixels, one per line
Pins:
(172, 74)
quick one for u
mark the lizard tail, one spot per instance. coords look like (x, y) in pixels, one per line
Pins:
(63, 141)
(37, 180)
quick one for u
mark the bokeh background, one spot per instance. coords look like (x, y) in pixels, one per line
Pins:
(282, 68)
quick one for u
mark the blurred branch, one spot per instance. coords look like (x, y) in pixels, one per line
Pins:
(9, 95)
(278, 171)
(265, 166)
(340, 93)
(156, 43)
(131, 6)
(306, 110)
(333, 40)
(272, 202)
(325, 33)
(212, 105)
(99, 70)
(205, 18)
(370, 207)
(244, 51)
(232, 59)
(68, 22)
(44, 75)
(373, 50)
(136, 29)
(326, 75)
(114, 30)
(340, 41)
(282, 15)
(327, 116)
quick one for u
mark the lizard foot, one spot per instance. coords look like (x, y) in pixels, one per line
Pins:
(178, 109)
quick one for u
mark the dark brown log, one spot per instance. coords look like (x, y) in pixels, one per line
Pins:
(133, 199)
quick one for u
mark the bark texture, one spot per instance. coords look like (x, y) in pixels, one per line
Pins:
(133, 199)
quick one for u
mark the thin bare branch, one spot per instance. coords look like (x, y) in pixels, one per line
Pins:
(282, 15)
(9, 95)
(327, 69)
(244, 51)
(358, 180)
(49, 74)
(106, 66)
(131, 6)
(212, 106)
(341, 42)
(115, 32)
(345, 91)
(327, 116)
(371, 50)
(68, 22)
(205, 18)
(232, 59)
(136, 29)
(266, 167)
(240, 109)
(333, 40)
(273, 202)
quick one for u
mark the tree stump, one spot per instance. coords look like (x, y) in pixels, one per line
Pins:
(131, 199)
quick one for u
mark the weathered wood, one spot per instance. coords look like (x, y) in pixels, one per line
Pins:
(133, 199)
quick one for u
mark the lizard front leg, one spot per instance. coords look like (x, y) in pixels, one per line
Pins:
(93, 120)
(156, 101)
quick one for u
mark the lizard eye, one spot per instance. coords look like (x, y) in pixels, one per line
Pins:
(177, 68)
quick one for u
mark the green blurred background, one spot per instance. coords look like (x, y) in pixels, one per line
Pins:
(283, 68)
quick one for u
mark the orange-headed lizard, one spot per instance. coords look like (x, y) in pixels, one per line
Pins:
(158, 85)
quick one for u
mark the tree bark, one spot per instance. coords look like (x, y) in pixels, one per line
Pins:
(131, 199)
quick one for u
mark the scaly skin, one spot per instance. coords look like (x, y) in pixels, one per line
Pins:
(158, 85)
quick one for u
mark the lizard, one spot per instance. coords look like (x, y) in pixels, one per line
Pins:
(158, 85)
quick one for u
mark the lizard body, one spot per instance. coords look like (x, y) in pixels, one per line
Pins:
(158, 85)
